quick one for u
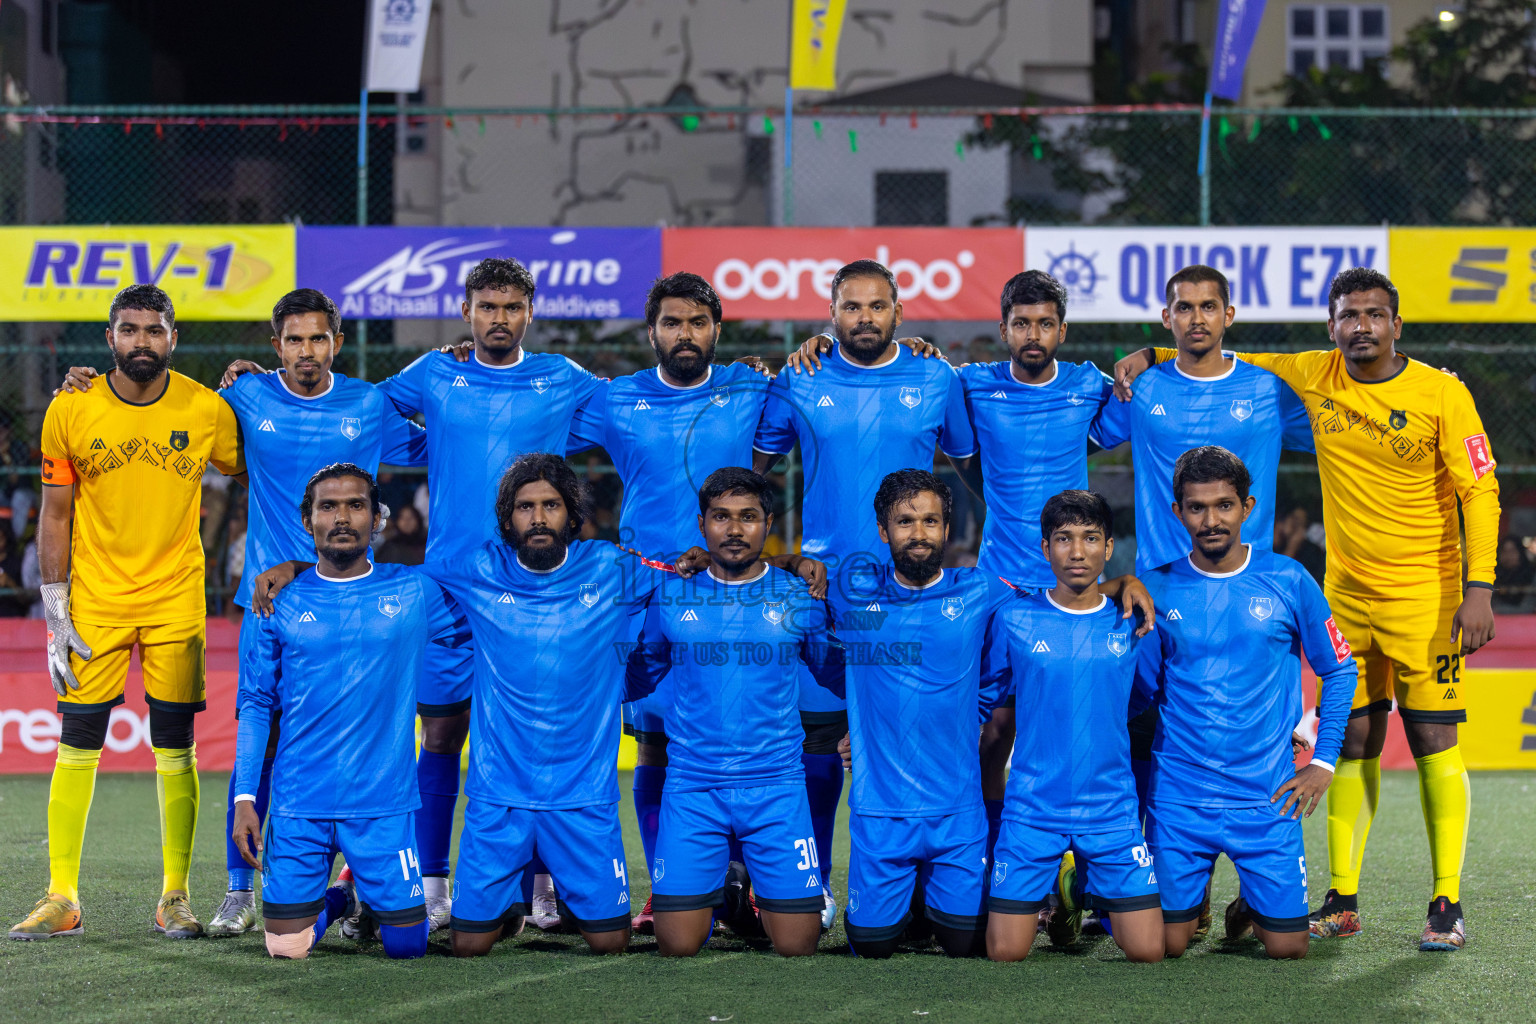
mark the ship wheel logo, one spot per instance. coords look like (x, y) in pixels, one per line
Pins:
(1075, 271)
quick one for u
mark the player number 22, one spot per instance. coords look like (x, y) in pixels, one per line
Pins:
(408, 863)
(807, 848)
(1448, 669)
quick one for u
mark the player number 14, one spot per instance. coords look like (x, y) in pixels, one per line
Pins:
(408, 863)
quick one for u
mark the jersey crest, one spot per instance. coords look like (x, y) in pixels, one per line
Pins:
(179, 440)
(351, 427)
(1242, 409)
(1260, 608)
(1075, 399)
(1398, 420)
(1118, 643)
(719, 396)
(952, 607)
(587, 594)
(539, 385)
(390, 605)
(911, 397)
(773, 611)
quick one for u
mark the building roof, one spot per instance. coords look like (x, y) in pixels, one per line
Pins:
(947, 90)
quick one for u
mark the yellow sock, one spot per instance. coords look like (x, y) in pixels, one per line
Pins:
(176, 783)
(1352, 800)
(69, 803)
(1446, 794)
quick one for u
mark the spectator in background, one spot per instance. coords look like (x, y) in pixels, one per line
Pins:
(1514, 579)
(17, 468)
(407, 543)
(1296, 539)
(398, 490)
(32, 579)
(12, 605)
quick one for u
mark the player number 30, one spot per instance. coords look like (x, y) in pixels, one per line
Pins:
(807, 848)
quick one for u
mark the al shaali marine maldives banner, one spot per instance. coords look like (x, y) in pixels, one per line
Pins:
(70, 272)
(415, 273)
(1117, 275)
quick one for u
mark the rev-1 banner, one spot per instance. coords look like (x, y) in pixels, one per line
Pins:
(414, 273)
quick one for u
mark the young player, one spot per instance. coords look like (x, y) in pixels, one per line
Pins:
(1070, 659)
(914, 633)
(874, 408)
(1399, 444)
(292, 423)
(122, 568)
(1203, 396)
(666, 430)
(732, 640)
(1224, 672)
(339, 659)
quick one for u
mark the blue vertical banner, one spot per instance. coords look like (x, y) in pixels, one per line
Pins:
(1237, 22)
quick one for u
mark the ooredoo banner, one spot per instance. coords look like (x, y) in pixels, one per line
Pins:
(1115, 275)
(786, 273)
(418, 273)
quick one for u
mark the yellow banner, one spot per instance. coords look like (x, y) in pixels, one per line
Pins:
(1463, 275)
(211, 272)
(1500, 731)
(817, 27)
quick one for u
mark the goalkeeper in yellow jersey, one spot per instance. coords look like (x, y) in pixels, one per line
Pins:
(122, 567)
(1398, 443)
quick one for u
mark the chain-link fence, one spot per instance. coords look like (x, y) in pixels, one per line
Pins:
(833, 166)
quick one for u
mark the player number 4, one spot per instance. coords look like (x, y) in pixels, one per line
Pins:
(408, 863)
(618, 871)
(807, 848)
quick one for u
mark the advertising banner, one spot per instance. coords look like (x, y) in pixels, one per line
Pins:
(211, 272)
(1463, 275)
(1117, 275)
(418, 273)
(786, 273)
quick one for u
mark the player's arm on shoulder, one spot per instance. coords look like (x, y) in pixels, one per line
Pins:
(237, 369)
(814, 573)
(273, 580)
(1129, 367)
(820, 649)
(78, 378)
(996, 673)
(1134, 600)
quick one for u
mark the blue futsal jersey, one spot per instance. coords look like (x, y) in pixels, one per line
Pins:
(855, 424)
(914, 700)
(1248, 411)
(479, 419)
(1224, 664)
(1071, 673)
(287, 438)
(1033, 440)
(733, 652)
(665, 441)
(340, 659)
(544, 729)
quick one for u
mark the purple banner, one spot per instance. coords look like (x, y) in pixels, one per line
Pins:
(1237, 22)
(387, 273)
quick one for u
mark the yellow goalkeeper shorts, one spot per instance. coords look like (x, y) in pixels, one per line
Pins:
(1404, 649)
(171, 655)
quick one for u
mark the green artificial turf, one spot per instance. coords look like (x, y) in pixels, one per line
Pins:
(118, 971)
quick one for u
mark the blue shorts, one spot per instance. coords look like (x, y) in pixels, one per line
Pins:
(582, 847)
(1026, 860)
(817, 700)
(447, 673)
(1265, 847)
(693, 848)
(298, 853)
(948, 854)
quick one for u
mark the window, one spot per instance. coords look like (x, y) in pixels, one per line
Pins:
(906, 198)
(1335, 36)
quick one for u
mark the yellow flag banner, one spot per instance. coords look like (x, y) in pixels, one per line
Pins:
(210, 271)
(817, 28)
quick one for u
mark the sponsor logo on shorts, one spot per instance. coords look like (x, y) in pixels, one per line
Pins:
(853, 901)
(1341, 649)
(1479, 455)
(659, 871)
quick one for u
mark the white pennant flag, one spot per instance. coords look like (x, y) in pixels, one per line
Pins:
(397, 38)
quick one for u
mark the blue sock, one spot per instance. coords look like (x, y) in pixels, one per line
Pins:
(437, 777)
(649, 780)
(824, 788)
(994, 824)
(407, 943)
(242, 875)
(335, 908)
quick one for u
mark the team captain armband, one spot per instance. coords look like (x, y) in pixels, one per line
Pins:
(1478, 455)
(1341, 649)
(57, 471)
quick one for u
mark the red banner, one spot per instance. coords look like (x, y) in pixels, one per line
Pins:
(29, 721)
(786, 273)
